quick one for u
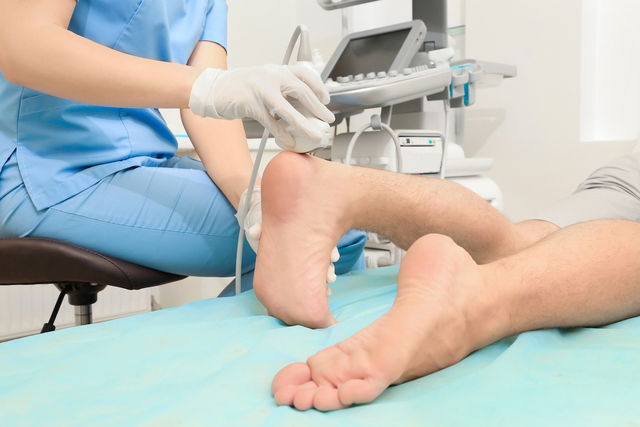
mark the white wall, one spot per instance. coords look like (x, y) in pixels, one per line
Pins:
(378, 14)
(610, 85)
(457, 13)
(531, 125)
(259, 30)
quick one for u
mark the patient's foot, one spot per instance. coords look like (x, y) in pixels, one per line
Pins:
(302, 220)
(430, 326)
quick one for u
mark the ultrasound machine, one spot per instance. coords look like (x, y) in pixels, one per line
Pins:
(407, 72)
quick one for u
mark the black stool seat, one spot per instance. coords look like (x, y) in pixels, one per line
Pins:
(36, 261)
(79, 274)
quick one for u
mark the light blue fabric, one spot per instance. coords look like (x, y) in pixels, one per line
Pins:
(171, 217)
(65, 147)
(211, 363)
(106, 178)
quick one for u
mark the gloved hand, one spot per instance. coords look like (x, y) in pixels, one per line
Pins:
(253, 221)
(253, 228)
(265, 94)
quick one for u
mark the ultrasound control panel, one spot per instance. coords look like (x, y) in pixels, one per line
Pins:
(381, 89)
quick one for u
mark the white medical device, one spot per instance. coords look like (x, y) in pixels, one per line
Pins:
(305, 144)
(372, 69)
(431, 77)
(421, 151)
(382, 49)
(383, 89)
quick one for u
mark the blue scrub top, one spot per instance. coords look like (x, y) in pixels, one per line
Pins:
(64, 147)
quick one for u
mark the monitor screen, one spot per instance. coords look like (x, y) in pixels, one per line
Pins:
(367, 54)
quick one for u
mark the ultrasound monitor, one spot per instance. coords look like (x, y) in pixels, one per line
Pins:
(366, 54)
(383, 49)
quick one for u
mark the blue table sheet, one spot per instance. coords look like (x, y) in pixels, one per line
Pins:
(212, 362)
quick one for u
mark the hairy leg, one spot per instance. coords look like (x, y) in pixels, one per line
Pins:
(448, 306)
(309, 203)
(404, 208)
(584, 275)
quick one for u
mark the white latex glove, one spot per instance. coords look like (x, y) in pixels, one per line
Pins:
(265, 94)
(253, 229)
(253, 221)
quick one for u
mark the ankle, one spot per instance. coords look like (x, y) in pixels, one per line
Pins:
(344, 190)
(487, 311)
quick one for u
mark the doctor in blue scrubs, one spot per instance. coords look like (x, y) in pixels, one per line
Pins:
(85, 156)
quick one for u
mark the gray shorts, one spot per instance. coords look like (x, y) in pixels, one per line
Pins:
(611, 192)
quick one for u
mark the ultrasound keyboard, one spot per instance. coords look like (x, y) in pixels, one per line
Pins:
(382, 89)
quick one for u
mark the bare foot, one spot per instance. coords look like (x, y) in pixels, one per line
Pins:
(302, 221)
(428, 328)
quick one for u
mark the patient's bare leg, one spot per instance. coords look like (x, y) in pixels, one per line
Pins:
(309, 203)
(448, 306)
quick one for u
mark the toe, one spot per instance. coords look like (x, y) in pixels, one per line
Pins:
(331, 274)
(326, 399)
(292, 375)
(335, 254)
(285, 394)
(356, 392)
(303, 399)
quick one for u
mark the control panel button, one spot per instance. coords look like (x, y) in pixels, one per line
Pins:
(382, 75)
(343, 79)
(393, 73)
(407, 71)
(371, 75)
(359, 77)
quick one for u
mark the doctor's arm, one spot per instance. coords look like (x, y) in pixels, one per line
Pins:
(221, 144)
(38, 51)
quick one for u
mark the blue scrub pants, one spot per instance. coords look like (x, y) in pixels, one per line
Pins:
(171, 218)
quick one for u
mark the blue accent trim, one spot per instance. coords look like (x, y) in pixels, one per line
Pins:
(466, 94)
(463, 67)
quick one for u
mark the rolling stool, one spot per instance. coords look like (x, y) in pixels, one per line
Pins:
(78, 273)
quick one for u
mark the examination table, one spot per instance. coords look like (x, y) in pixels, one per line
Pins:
(212, 362)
